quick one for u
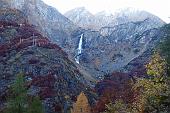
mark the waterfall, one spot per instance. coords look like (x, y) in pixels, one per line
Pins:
(79, 49)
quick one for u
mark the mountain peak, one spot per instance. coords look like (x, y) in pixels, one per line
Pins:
(80, 11)
(134, 15)
(104, 13)
(81, 17)
(80, 8)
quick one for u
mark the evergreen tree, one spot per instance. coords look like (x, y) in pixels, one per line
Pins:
(36, 106)
(17, 101)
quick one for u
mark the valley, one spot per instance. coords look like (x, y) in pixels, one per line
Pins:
(80, 62)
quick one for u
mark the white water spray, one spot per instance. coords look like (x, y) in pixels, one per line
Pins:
(79, 49)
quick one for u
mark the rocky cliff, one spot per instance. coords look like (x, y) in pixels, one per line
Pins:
(118, 39)
(83, 18)
(112, 48)
(47, 19)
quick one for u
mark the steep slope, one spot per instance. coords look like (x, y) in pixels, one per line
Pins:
(120, 38)
(140, 62)
(86, 20)
(104, 18)
(45, 65)
(108, 48)
(112, 48)
(47, 19)
(82, 17)
(135, 15)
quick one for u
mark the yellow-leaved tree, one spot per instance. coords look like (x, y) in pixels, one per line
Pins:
(81, 105)
(152, 90)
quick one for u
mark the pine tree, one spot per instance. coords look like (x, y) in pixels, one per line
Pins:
(17, 102)
(36, 106)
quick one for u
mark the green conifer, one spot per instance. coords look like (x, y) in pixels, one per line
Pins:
(17, 101)
(36, 106)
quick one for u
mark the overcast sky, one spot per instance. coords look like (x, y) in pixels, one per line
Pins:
(159, 8)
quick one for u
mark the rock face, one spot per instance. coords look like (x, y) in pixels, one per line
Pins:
(133, 15)
(83, 18)
(109, 41)
(86, 20)
(112, 48)
(104, 18)
(47, 19)
(138, 64)
(118, 39)
(48, 71)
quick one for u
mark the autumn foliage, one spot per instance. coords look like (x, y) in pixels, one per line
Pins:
(26, 36)
(113, 87)
(81, 105)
